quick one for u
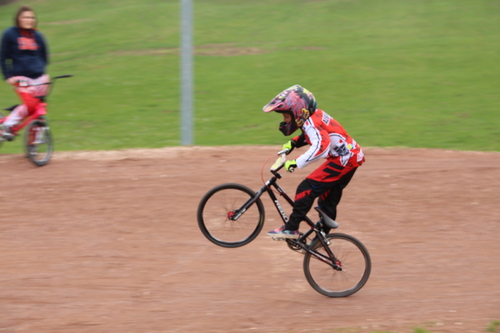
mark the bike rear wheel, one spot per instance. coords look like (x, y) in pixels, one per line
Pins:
(38, 143)
(353, 258)
(217, 209)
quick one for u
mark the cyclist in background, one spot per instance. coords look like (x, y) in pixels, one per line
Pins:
(327, 139)
(23, 58)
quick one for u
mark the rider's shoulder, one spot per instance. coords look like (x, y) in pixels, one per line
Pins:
(318, 117)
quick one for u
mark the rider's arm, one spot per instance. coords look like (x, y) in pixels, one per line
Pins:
(320, 144)
(5, 53)
(44, 50)
(299, 140)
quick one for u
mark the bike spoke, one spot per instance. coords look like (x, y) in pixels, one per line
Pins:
(220, 221)
(38, 143)
(353, 260)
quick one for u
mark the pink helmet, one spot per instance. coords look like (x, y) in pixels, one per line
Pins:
(296, 100)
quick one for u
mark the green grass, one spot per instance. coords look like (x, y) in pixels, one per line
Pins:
(393, 72)
(493, 326)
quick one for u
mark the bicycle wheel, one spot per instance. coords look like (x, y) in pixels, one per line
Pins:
(38, 142)
(219, 205)
(352, 257)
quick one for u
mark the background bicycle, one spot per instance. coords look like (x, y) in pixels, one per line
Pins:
(37, 140)
(232, 215)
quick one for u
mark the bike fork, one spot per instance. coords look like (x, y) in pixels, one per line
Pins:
(38, 137)
(329, 258)
(235, 214)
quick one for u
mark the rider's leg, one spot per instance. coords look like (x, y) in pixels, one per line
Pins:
(328, 176)
(328, 201)
(22, 111)
(30, 101)
(18, 114)
(307, 191)
(304, 198)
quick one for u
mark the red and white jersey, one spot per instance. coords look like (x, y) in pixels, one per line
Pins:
(328, 139)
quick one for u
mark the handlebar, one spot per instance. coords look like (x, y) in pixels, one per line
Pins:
(23, 83)
(63, 76)
(280, 162)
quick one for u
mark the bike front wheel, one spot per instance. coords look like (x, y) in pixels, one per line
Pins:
(353, 266)
(38, 143)
(218, 211)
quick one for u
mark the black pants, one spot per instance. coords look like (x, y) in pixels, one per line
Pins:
(329, 194)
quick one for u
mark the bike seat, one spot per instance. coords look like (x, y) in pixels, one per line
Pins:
(327, 220)
(11, 108)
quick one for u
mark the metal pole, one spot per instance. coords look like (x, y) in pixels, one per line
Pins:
(186, 107)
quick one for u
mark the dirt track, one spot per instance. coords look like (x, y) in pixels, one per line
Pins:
(108, 242)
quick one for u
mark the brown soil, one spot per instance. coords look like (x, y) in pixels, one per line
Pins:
(108, 242)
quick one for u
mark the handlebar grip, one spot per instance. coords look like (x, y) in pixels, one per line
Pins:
(62, 76)
(284, 151)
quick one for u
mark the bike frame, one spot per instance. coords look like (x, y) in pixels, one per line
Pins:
(41, 109)
(268, 188)
(40, 112)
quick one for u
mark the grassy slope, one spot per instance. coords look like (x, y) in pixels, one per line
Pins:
(394, 72)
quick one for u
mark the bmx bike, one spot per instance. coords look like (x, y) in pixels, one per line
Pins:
(232, 215)
(37, 141)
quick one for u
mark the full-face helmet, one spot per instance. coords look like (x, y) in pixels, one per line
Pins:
(298, 102)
